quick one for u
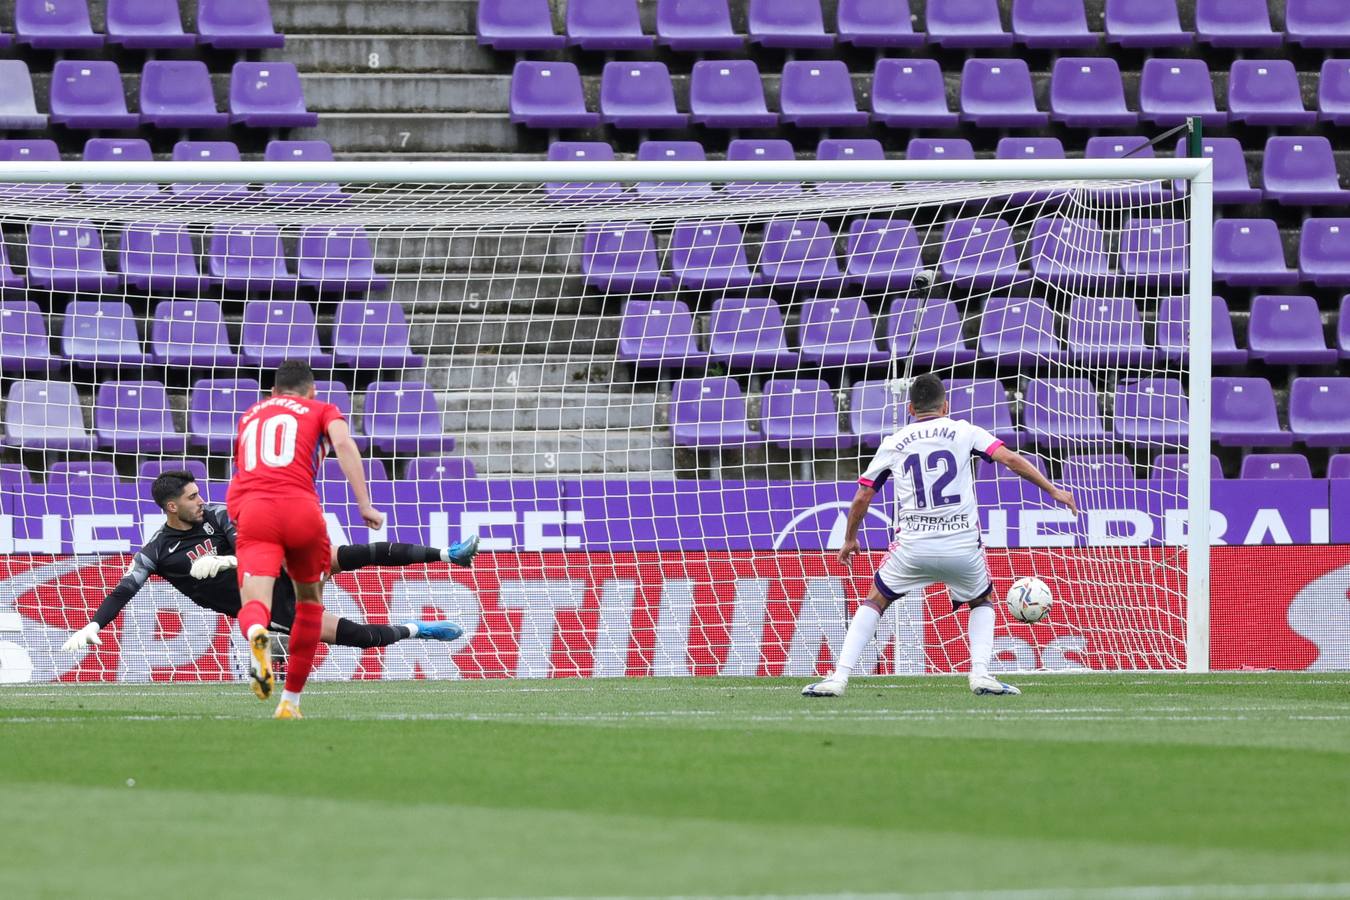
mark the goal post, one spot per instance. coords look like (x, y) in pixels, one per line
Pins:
(649, 387)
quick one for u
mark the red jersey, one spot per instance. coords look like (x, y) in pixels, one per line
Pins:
(280, 444)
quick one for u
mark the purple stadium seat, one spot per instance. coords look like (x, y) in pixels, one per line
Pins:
(1338, 466)
(1054, 24)
(1319, 411)
(799, 255)
(439, 469)
(1031, 148)
(1301, 171)
(214, 409)
(1106, 331)
(708, 256)
(978, 254)
(55, 25)
(582, 151)
(336, 393)
(639, 95)
(159, 259)
(119, 150)
(789, 24)
(882, 254)
(605, 25)
(1172, 332)
(32, 150)
(25, 347)
(695, 26)
(1333, 92)
(1235, 23)
(1250, 253)
(1089, 93)
(44, 415)
(621, 258)
(548, 95)
(983, 402)
(517, 25)
(673, 151)
(188, 333)
(277, 330)
(1020, 332)
(831, 149)
(1151, 411)
(1172, 90)
(334, 489)
(301, 151)
(939, 148)
(1117, 147)
(268, 95)
(248, 258)
(135, 417)
(1324, 252)
(1145, 23)
(997, 93)
(966, 24)
(152, 468)
(910, 93)
(1153, 252)
(237, 25)
(928, 330)
(1087, 470)
(1171, 466)
(68, 257)
(8, 278)
(874, 412)
(177, 94)
(101, 333)
(753, 151)
(659, 334)
(338, 259)
(372, 334)
(748, 333)
(819, 94)
(1288, 331)
(1062, 412)
(708, 412)
(1070, 253)
(1243, 414)
(88, 93)
(877, 23)
(802, 413)
(1266, 92)
(208, 151)
(728, 93)
(1343, 328)
(18, 105)
(1275, 466)
(837, 331)
(147, 25)
(1316, 23)
(1231, 182)
(403, 418)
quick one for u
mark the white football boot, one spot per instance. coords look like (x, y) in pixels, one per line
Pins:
(988, 684)
(832, 686)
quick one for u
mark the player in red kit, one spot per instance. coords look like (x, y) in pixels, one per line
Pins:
(273, 502)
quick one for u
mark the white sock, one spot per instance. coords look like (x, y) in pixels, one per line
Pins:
(860, 631)
(981, 627)
(254, 629)
(445, 555)
(412, 629)
(291, 698)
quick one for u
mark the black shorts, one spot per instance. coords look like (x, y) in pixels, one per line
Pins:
(283, 604)
(226, 601)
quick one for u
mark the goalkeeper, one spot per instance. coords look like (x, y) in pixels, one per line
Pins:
(194, 552)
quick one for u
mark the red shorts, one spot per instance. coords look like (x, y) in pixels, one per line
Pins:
(276, 529)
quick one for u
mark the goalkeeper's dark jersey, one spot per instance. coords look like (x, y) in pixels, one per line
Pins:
(169, 554)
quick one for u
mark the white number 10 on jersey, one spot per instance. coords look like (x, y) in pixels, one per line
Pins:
(275, 445)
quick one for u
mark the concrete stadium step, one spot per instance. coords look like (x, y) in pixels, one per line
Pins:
(586, 335)
(516, 411)
(485, 372)
(489, 133)
(405, 92)
(547, 453)
(452, 295)
(434, 53)
(385, 17)
(472, 248)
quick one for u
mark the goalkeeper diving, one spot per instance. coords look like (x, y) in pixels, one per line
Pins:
(937, 529)
(194, 552)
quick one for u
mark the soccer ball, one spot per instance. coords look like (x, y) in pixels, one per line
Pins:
(1029, 599)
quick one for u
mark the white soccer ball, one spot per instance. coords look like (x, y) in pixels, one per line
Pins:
(1029, 599)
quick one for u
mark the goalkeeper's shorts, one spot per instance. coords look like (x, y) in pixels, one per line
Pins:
(273, 530)
(966, 575)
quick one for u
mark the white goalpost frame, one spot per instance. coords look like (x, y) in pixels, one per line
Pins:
(1197, 173)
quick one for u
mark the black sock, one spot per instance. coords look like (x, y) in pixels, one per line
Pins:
(359, 634)
(383, 553)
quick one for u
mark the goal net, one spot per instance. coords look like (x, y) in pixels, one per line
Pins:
(649, 388)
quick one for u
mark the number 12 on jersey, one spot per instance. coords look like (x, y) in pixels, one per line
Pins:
(915, 466)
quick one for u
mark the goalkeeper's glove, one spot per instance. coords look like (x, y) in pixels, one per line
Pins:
(211, 566)
(81, 639)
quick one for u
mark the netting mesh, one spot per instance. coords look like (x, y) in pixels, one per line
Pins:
(651, 401)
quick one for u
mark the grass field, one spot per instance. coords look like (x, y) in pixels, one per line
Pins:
(1125, 786)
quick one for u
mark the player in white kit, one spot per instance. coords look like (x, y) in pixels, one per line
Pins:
(937, 528)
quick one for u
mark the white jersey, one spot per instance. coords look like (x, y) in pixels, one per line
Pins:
(935, 509)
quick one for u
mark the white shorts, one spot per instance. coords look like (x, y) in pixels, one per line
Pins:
(966, 576)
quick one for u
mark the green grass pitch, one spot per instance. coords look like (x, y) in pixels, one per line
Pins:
(1124, 786)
